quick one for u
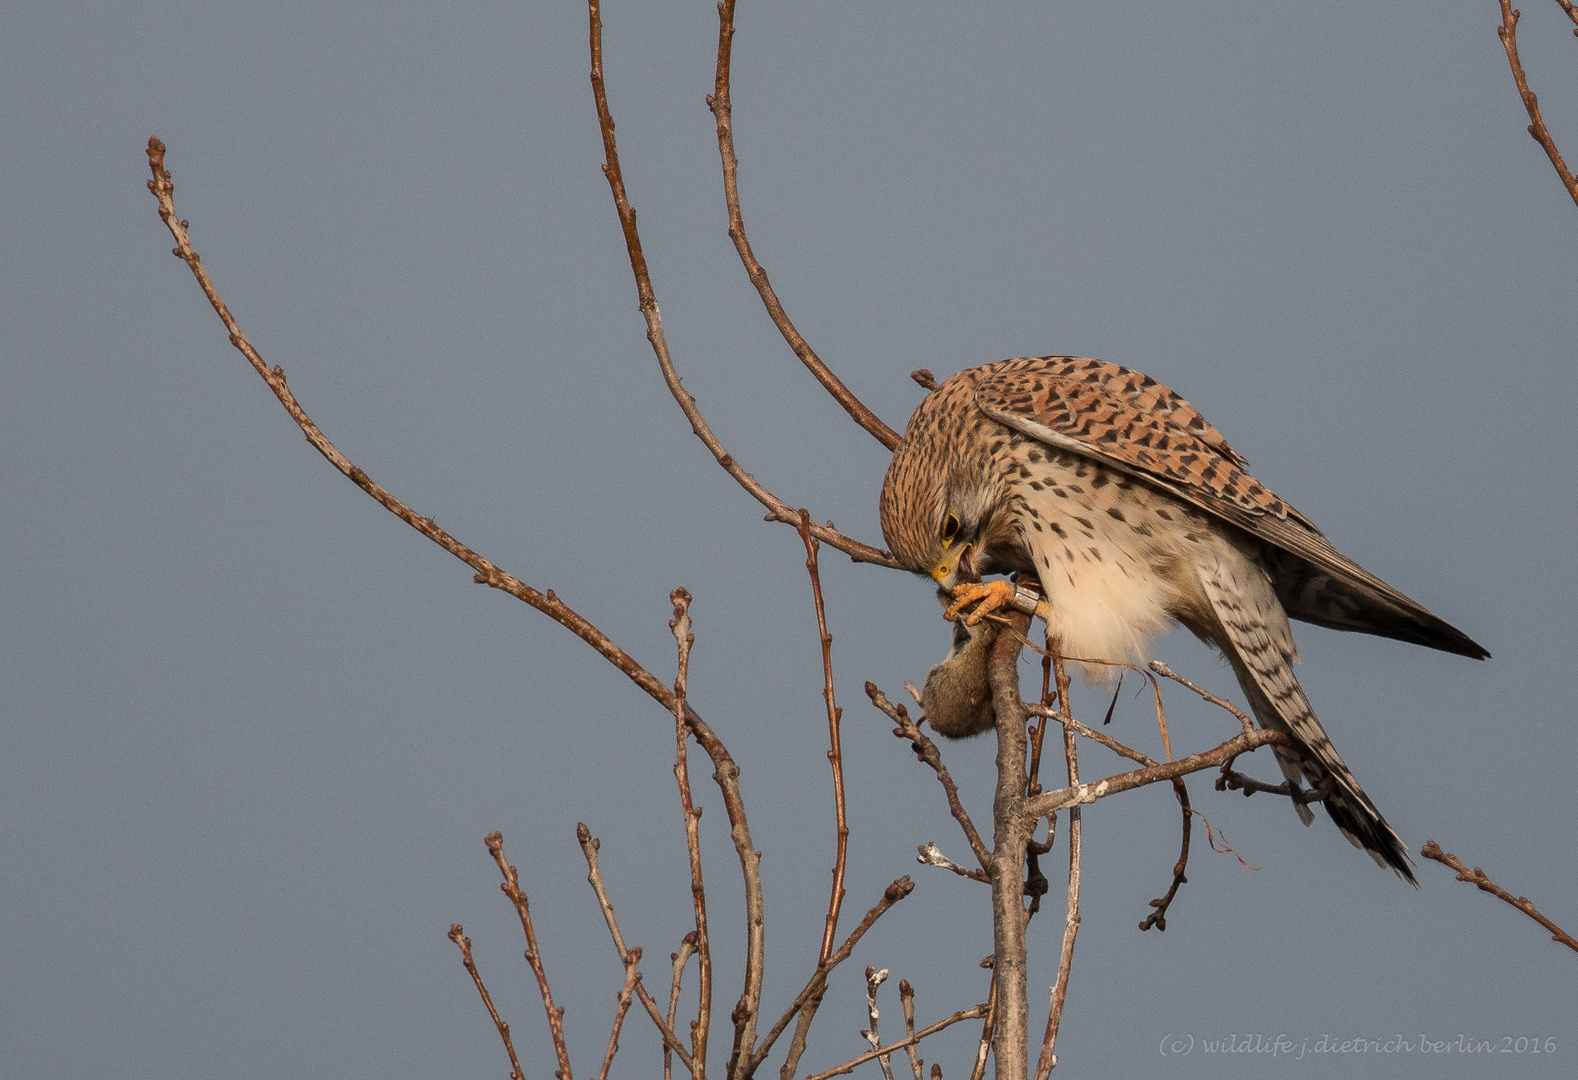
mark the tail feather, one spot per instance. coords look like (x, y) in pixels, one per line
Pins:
(1255, 637)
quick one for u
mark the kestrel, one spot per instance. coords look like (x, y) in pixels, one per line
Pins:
(1135, 514)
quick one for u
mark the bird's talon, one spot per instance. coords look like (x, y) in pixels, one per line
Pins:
(992, 596)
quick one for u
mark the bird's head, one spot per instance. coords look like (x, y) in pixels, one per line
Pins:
(934, 523)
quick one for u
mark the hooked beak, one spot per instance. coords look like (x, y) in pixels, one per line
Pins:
(947, 572)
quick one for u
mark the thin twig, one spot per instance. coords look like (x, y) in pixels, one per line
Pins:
(512, 889)
(835, 715)
(874, 979)
(988, 1023)
(1053, 801)
(722, 109)
(932, 855)
(1092, 734)
(1065, 967)
(927, 751)
(628, 957)
(457, 934)
(632, 978)
(778, 510)
(1168, 673)
(810, 997)
(1508, 32)
(907, 1000)
(1481, 881)
(971, 1013)
(687, 949)
(1158, 918)
(1230, 780)
(684, 640)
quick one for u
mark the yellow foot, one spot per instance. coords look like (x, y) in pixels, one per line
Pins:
(993, 596)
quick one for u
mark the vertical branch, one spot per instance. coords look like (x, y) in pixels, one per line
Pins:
(907, 1000)
(684, 639)
(632, 975)
(1010, 834)
(1508, 32)
(457, 934)
(722, 108)
(511, 888)
(687, 948)
(874, 979)
(1048, 1058)
(987, 1026)
(835, 753)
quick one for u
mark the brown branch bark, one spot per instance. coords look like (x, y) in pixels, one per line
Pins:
(512, 889)
(722, 108)
(907, 1002)
(927, 751)
(909, 1040)
(988, 1024)
(1168, 673)
(778, 510)
(1508, 32)
(457, 934)
(1480, 880)
(684, 640)
(806, 1002)
(1011, 828)
(1047, 1060)
(627, 956)
(835, 753)
(687, 949)
(1158, 918)
(632, 980)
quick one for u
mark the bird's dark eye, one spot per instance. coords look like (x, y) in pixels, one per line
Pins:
(950, 529)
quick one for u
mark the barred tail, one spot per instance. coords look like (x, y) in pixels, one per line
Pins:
(1256, 639)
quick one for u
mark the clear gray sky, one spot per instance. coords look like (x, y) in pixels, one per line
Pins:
(254, 729)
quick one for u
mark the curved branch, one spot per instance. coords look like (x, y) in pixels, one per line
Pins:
(1508, 32)
(722, 108)
(725, 772)
(778, 510)
(1480, 880)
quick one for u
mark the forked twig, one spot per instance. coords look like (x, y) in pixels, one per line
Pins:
(687, 949)
(1481, 881)
(1158, 918)
(723, 110)
(511, 886)
(457, 934)
(1508, 32)
(972, 1013)
(1168, 673)
(627, 956)
(684, 640)
(810, 996)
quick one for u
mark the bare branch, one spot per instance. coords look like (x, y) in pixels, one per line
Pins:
(874, 979)
(810, 997)
(907, 1000)
(632, 979)
(1052, 801)
(722, 109)
(835, 715)
(1168, 673)
(1011, 828)
(778, 510)
(457, 934)
(1047, 1060)
(1481, 881)
(684, 640)
(988, 1023)
(1158, 918)
(932, 855)
(628, 957)
(1508, 32)
(971, 1013)
(687, 949)
(512, 888)
(927, 751)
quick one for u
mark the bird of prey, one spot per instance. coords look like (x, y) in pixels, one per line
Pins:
(1134, 514)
